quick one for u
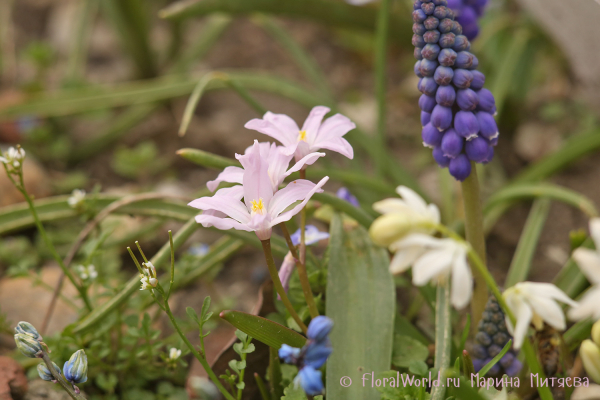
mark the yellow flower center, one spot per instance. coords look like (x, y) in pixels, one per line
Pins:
(302, 136)
(258, 206)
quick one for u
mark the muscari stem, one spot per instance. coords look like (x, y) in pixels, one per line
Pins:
(475, 236)
(61, 379)
(443, 336)
(302, 274)
(266, 244)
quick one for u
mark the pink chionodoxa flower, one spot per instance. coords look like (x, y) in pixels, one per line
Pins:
(315, 133)
(278, 161)
(262, 208)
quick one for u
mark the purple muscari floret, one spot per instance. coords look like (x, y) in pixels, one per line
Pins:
(452, 144)
(447, 40)
(447, 57)
(441, 117)
(443, 76)
(430, 51)
(487, 125)
(344, 194)
(427, 103)
(427, 67)
(445, 96)
(467, 99)
(462, 78)
(432, 137)
(460, 167)
(456, 111)
(477, 149)
(466, 124)
(425, 118)
(478, 80)
(440, 158)
(486, 100)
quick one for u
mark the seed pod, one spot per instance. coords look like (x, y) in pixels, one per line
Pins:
(445, 96)
(452, 144)
(427, 103)
(467, 99)
(447, 57)
(466, 124)
(443, 76)
(431, 136)
(460, 167)
(430, 51)
(441, 117)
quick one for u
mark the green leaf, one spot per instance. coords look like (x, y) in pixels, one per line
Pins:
(250, 349)
(360, 300)
(495, 360)
(418, 368)
(406, 350)
(240, 385)
(293, 393)
(206, 159)
(268, 332)
(397, 386)
(204, 314)
(241, 335)
(192, 314)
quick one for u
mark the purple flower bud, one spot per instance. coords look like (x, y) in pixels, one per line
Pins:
(467, 99)
(460, 167)
(417, 70)
(486, 100)
(466, 124)
(455, 4)
(478, 80)
(426, 1)
(461, 43)
(431, 136)
(462, 78)
(425, 118)
(428, 8)
(487, 125)
(445, 25)
(490, 155)
(419, 16)
(431, 36)
(440, 158)
(452, 143)
(418, 41)
(471, 31)
(431, 22)
(319, 328)
(430, 52)
(494, 141)
(443, 75)
(310, 380)
(445, 96)
(417, 53)
(447, 40)
(418, 29)
(464, 59)
(417, 5)
(427, 103)
(457, 28)
(427, 67)
(467, 17)
(427, 86)
(477, 149)
(441, 12)
(441, 2)
(441, 117)
(447, 57)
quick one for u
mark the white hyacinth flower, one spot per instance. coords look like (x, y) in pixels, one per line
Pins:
(88, 272)
(77, 198)
(535, 303)
(437, 261)
(589, 262)
(174, 354)
(400, 217)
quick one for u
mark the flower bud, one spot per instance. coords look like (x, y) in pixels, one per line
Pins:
(445, 95)
(316, 353)
(466, 124)
(440, 158)
(310, 380)
(319, 328)
(452, 143)
(419, 29)
(467, 99)
(477, 150)
(441, 2)
(427, 103)
(590, 355)
(596, 332)
(461, 43)
(443, 76)
(441, 117)
(431, 23)
(28, 329)
(28, 345)
(391, 227)
(428, 86)
(425, 118)
(462, 78)
(417, 69)
(447, 40)
(447, 57)
(417, 54)
(487, 125)
(417, 5)
(457, 28)
(427, 67)
(478, 80)
(418, 41)
(45, 373)
(431, 51)
(486, 100)
(431, 136)
(464, 59)
(419, 16)
(460, 167)
(75, 370)
(431, 36)
(442, 12)
(428, 9)
(445, 25)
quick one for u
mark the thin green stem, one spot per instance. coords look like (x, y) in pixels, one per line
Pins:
(241, 377)
(381, 36)
(261, 386)
(172, 264)
(475, 236)
(266, 244)
(60, 379)
(302, 274)
(275, 374)
(303, 227)
(443, 336)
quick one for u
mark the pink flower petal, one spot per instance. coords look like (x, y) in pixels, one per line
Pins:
(221, 223)
(257, 183)
(339, 145)
(228, 205)
(229, 174)
(313, 122)
(334, 127)
(308, 160)
(268, 128)
(284, 198)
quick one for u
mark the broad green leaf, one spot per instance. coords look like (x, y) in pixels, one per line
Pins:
(270, 333)
(406, 350)
(206, 159)
(360, 300)
(293, 393)
(418, 368)
(570, 279)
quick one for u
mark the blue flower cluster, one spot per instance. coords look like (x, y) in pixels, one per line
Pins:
(457, 113)
(490, 339)
(312, 356)
(467, 12)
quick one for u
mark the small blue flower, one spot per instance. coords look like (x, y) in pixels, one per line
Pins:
(344, 194)
(75, 370)
(45, 373)
(319, 328)
(199, 249)
(310, 380)
(316, 353)
(312, 235)
(289, 354)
